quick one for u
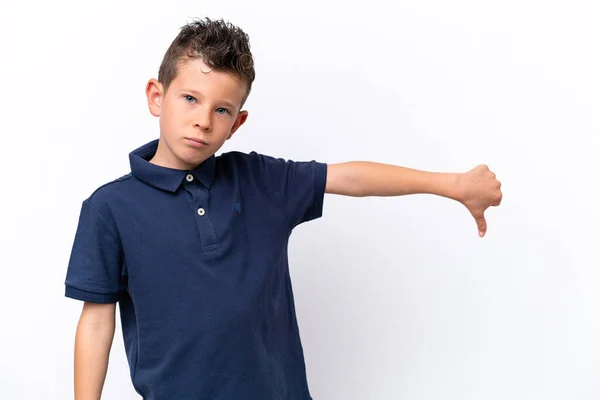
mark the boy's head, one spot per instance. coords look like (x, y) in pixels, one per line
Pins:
(203, 82)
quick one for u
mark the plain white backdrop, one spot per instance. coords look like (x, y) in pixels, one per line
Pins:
(397, 298)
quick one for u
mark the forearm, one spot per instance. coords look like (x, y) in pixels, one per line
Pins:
(93, 341)
(374, 179)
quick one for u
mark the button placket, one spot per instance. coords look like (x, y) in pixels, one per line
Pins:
(204, 223)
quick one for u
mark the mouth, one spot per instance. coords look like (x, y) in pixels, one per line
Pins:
(196, 142)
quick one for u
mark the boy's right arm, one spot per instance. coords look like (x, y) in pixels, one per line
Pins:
(93, 340)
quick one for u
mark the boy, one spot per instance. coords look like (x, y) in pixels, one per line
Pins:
(193, 247)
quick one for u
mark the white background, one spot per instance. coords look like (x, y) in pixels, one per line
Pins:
(397, 298)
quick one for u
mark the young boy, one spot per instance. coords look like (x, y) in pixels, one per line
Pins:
(193, 247)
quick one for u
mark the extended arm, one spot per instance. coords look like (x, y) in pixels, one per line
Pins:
(477, 189)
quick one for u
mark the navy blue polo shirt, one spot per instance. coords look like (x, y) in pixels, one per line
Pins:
(198, 262)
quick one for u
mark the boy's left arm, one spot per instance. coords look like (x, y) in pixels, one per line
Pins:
(476, 189)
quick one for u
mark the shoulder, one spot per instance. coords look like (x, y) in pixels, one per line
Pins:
(259, 164)
(255, 159)
(240, 157)
(105, 196)
(251, 163)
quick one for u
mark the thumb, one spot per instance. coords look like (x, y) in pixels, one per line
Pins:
(481, 224)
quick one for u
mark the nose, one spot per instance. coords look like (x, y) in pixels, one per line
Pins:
(204, 120)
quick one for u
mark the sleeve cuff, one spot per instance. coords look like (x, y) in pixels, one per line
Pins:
(92, 297)
(316, 210)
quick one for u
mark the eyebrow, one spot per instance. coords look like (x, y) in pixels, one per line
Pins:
(195, 92)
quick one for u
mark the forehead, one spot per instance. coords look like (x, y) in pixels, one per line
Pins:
(194, 74)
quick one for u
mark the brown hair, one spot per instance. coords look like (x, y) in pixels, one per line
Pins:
(221, 45)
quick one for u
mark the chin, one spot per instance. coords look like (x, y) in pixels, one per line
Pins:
(191, 156)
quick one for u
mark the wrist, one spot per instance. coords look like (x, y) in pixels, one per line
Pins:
(454, 186)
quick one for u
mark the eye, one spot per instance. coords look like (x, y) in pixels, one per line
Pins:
(222, 110)
(189, 99)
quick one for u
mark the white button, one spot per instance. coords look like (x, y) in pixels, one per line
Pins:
(201, 211)
(189, 177)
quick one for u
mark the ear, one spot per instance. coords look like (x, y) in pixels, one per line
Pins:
(154, 95)
(241, 118)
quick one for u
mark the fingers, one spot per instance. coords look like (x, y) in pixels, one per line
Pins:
(498, 201)
(498, 191)
(485, 192)
(481, 225)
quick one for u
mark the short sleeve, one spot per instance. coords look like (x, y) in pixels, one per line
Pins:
(95, 270)
(298, 186)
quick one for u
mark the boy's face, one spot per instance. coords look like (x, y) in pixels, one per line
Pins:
(198, 113)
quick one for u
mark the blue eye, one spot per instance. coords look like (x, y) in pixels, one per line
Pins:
(187, 97)
(224, 109)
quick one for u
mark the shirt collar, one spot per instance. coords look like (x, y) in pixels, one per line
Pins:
(166, 178)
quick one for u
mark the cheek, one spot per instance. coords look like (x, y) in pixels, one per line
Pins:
(227, 124)
(225, 129)
(172, 117)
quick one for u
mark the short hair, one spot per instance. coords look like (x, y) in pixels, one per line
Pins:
(221, 45)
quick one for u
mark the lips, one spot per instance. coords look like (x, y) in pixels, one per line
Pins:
(194, 142)
(197, 140)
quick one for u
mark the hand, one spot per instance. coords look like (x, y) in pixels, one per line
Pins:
(479, 190)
